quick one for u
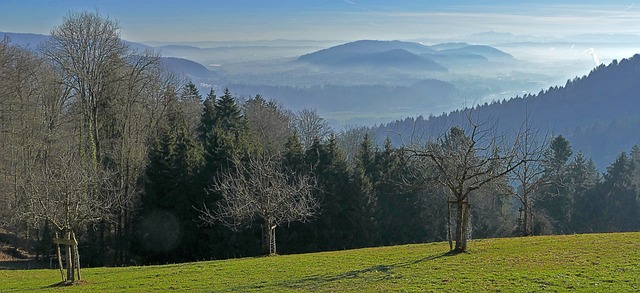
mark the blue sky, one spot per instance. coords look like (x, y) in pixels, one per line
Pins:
(245, 20)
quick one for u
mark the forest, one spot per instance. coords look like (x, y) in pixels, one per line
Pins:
(105, 151)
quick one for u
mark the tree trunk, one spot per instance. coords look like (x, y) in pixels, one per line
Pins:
(530, 220)
(449, 232)
(102, 242)
(76, 254)
(459, 219)
(269, 238)
(525, 218)
(462, 224)
(69, 259)
(59, 254)
(119, 239)
(465, 225)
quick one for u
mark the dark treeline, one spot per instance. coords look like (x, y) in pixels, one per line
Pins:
(127, 160)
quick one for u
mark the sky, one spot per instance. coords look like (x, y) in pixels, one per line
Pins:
(250, 20)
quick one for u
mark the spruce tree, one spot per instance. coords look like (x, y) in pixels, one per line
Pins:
(558, 200)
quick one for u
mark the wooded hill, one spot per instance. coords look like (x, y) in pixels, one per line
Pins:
(116, 160)
(598, 113)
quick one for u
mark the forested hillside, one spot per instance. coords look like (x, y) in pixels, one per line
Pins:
(597, 112)
(121, 163)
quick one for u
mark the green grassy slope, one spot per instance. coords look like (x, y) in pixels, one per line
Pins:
(589, 263)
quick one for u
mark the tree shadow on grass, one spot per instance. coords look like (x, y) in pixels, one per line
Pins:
(385, 272)
(66, 284)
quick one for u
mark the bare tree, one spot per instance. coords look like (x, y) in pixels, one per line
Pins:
(30, 106)
(259, 189)
(529, 176)
(114, 95)
(309, 126)
(86, 92)
(268, 122)
(349, 141)
(88, 55)
(465, 161)
(63, 192)
(126, 135)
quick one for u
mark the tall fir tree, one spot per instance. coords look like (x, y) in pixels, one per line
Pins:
(557, 201)
(362, 200)
(166, 226)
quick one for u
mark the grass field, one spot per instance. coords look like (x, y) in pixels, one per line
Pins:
(582, 263)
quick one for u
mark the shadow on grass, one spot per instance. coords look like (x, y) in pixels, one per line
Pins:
(386, 272)
(65, 284)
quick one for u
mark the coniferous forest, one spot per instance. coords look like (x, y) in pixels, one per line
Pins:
(102, 146)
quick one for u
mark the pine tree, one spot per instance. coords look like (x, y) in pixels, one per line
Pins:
(584, 177)
(208, 118)
(621, 206)
(327, 163)
(223, 135)
(557, 200)
(169, 197)
(362, 200)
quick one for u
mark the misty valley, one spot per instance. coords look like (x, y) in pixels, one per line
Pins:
(355, 164)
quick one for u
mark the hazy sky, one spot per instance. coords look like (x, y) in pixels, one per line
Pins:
(233, 20)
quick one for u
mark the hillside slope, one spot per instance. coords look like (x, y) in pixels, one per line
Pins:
(577, 263)
(598, 113)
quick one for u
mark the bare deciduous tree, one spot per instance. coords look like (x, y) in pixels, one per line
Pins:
(259, 189)
(529, 176)
(88, 55)
(465, 161)
(269, 123)
(349, 141)
(113, 93)
(309, 126)
(31, 105)
(64, 192)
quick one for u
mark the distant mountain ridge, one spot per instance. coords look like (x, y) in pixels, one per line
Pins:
(26, 40)
(180, 66)
(32, 41)
(598, 113)
(190, 69)
(403, 55)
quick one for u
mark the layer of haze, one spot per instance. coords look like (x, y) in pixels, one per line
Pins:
(250, 20)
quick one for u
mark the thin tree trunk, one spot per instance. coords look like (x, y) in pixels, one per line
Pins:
(70, 275)
(72, 266)
(127, 237)
(273, 240)
(465, 225)
(76, 254)
(59, 254)
(459, 224)
(462, 224)
(449, 232)
(102, 242)
(530, 218)
(38, 242)
(269, 238)
(118, 241)
(525, 220)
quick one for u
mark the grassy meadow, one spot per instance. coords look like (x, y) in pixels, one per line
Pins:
(576, 263)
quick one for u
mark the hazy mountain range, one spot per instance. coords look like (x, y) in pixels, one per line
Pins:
(371, 82)
(404, 55)
(361, 82)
